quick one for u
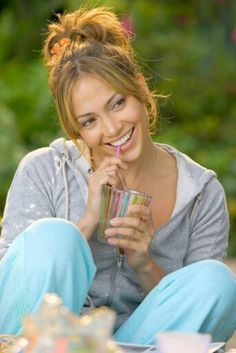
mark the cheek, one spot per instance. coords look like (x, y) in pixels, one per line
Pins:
(136, 113)
(90, 138)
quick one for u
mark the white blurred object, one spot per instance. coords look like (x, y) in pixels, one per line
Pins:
(180, 342)
(54, 329)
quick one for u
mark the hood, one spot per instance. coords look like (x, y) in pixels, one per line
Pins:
(71, 153)
(71, 157)
(65, 147)
(192, 177)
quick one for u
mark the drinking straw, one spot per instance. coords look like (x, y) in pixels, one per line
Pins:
(148, 201)
(118, 150)
(125, 204)
(116, 203)
(110, 210)
(105, 207)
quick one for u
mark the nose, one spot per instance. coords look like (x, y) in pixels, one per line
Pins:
(111, 126)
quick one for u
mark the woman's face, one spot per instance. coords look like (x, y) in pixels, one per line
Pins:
(108, 119)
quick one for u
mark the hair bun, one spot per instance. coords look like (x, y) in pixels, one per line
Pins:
(98, 24)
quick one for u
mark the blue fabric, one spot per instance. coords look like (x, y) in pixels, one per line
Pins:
(198, 298)
(49, 256)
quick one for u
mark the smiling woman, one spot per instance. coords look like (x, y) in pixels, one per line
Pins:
(159, 273)
(97, 45)
(108, 119)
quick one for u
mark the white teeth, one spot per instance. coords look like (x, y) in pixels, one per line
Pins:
(123, 140)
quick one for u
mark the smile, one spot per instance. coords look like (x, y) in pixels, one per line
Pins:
(124, 139)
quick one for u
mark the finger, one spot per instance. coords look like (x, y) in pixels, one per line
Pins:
(96, 183)
(128, 222)
(121, 233)
(130, 244)
(108, 161)
(115, 178)
(104, 178)
(144, 212)
(138, 209)
(112, 167)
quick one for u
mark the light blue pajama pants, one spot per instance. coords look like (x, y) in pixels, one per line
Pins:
(52, 256)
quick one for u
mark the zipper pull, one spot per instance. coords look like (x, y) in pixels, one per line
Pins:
(120, 257)
(119, 261)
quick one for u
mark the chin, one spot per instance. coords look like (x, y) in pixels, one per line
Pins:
(132, 155)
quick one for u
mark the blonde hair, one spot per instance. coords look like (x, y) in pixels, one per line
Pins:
(91, 41)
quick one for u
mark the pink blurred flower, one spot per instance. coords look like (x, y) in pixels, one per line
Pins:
(128, 25)
(233, 36)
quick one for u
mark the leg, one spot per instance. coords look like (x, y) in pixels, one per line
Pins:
(49, 256)
(198, 298)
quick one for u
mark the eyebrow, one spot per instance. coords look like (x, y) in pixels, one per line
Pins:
(106, 105)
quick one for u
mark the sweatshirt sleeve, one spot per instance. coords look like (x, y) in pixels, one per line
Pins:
(209, 225)
(28, 199)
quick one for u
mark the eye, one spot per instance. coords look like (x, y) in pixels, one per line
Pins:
(87, 123)
(119, 103)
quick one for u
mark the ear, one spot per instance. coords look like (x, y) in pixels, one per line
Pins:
(143, 83)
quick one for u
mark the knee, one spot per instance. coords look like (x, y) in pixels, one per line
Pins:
(216, 278)
(54, 229)
(50, 224)
(53, 236)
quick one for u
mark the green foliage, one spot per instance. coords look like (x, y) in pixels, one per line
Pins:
(186, 48)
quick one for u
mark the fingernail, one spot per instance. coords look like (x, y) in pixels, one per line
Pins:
(111, 241)
(113, 221)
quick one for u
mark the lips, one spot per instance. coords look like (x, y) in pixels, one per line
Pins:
(122, 140)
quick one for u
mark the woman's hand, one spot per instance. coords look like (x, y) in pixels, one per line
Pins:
(108, 172)
(136, 232)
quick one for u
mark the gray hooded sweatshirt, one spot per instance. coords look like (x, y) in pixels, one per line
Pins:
(52, 182)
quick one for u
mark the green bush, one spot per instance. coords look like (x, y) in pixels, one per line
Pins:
(187, 49)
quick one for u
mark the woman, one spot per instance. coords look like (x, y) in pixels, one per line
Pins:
(165, 277)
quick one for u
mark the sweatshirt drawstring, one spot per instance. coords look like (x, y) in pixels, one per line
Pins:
(63, 166)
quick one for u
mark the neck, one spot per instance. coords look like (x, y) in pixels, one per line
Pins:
(146, 165)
